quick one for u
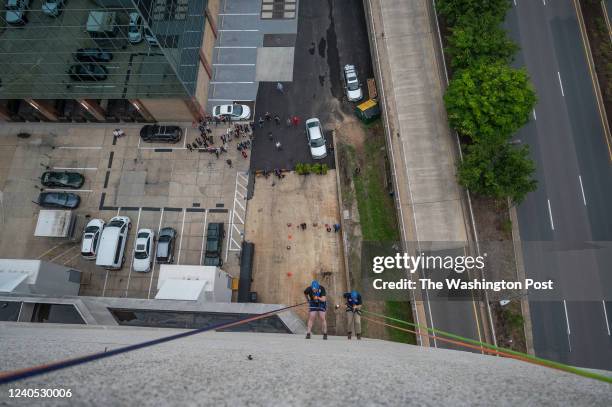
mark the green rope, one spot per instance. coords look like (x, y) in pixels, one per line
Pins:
(545, 362)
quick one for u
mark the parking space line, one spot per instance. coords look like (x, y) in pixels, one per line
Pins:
(63, 253)
(118, 209)
(105, 281)
(231, 83)
(235, 47)
(72, 258)
(233, 64)
(178, 259)
(227, 244)
(254, 30)
(154, 255)
(606, 317)
(185, 139)
(238, 14)
(50, 250)
(239, 204)
(203, 237)
(75, 169)
(127, 287)
(227, 100)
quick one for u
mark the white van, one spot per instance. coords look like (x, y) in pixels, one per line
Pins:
(111, 252)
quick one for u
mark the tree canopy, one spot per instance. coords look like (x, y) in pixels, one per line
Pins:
(489, 102)
(453, 10)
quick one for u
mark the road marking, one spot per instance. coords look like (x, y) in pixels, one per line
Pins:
(534, 115)
(568, 326)
(239, 30)
(66, 190)
(75, 168)
(118, 209)
(72, 258)
(62, 254)
(178, 259)
(582, 189)
(51, 249)
(79, 148)
(155, 257)
(203, 236)
(606, 317)
(544, 2)
(105, 281)
(229, 226)
(552, 224)
(234, 47)
(560, 84)
(127, 287)
(514, 3)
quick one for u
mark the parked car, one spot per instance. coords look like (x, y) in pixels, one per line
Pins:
(135, 28)
(53, 8)
(111, 252)
(150, 38)
(165, 245)
(88, 72)
(91, 238)
(16, 11)
(65, 200)
(62, 179)
(143, 252)
(92, 55)
(214, 244)
(316, 140)
(353, 87)
(152, 133)
(232, 112)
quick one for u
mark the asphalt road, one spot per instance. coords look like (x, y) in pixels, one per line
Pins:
(330, 34)
(572, 203)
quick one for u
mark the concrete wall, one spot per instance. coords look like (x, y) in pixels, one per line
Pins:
(168, 110)
(222, 292)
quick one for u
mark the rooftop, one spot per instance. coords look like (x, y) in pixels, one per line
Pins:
(214, 369)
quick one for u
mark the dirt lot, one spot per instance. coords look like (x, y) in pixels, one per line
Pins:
(288, 258)
(155, 185)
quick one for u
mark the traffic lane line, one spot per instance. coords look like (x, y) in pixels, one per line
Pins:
(552, 223)
(582, 190)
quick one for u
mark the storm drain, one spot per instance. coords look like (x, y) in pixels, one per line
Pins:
(278, 9)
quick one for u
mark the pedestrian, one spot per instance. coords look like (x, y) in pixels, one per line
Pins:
(277, 120)
(336, 227)
(268, 116)
(280, 88)
(216, 121)
(317, 305)
(353, 314)
(288, 122)
(217, 152)
(295, 120)
(244, 154)
(278, 146)
(261, 122)
(229, 162)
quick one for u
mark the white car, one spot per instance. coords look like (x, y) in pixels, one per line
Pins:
(316, 140)
(135, 28)
(143, 251)
(353, 87)
(53, 8)
(16, 11)
(233, 112)
(91, 238)
(150, 38)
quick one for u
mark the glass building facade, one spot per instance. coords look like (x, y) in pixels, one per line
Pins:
(100, 49)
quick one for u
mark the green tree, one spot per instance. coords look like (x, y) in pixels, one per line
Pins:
(453, 10)
(498, 171)
(479, 40)
(489, 102)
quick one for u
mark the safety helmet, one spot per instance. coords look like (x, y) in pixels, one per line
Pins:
(354, 295)
(314, 285)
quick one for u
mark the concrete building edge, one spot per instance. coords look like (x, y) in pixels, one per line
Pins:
(416, 301)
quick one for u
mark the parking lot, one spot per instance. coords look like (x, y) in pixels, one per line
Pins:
(156, 186)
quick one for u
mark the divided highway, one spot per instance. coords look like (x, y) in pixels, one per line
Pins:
(573, 202)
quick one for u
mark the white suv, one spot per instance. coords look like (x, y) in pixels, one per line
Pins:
(316, 141)
(91, 238)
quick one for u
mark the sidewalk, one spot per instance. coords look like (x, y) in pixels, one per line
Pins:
(422, 148)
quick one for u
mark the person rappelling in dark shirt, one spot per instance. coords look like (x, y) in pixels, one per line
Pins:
(317, 306)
